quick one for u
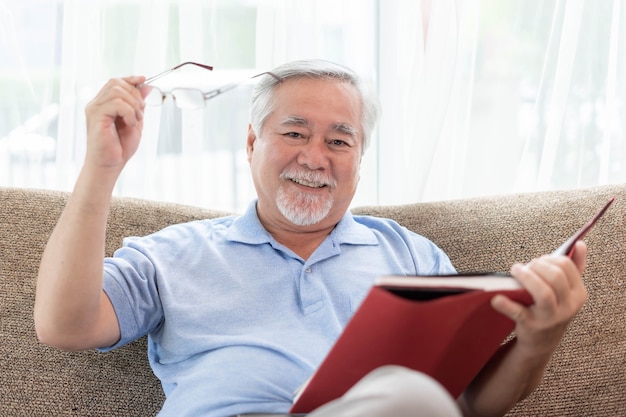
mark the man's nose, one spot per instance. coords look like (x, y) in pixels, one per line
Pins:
(314, 153)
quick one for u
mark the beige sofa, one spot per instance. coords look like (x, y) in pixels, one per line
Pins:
(587, 376)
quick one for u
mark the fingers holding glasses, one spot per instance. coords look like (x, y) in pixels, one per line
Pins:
(119, 98)
(115, 120)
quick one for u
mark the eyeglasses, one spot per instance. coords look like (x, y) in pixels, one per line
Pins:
(164, 73)
(190, 98)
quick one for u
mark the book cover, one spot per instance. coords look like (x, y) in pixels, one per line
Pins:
(443, 326)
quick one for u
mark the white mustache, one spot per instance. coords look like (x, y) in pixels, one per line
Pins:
(309, 178)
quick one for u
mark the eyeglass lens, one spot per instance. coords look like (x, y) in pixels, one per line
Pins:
(191, 98)
(184, 98)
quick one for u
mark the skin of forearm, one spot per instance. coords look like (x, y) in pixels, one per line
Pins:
(69, 283)
(507, 379)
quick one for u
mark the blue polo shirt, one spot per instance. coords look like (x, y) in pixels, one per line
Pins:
(236, 322)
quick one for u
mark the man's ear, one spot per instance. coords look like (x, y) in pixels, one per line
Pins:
(250, 142)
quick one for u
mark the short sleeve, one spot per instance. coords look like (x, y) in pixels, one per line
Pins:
(130, 283)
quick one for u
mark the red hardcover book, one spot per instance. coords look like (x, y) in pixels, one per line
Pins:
(443, 326)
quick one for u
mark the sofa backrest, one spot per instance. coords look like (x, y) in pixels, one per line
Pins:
(587, 375)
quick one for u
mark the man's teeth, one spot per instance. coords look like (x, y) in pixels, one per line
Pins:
(307, 184)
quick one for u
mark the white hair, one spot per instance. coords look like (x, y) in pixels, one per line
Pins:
(263, 95)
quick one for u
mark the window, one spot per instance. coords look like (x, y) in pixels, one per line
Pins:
(479, 97)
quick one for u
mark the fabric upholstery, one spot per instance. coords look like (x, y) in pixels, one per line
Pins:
(587, 376)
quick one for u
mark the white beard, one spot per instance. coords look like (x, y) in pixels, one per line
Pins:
(302, 208)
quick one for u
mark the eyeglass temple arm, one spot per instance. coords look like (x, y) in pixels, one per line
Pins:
(220, 90)
(270, 73)
(226, 87)
(162, 74)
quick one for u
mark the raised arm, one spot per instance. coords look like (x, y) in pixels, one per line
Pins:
(72, 311)
(555, 283)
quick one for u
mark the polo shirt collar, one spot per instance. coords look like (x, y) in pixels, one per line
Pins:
(248, 229)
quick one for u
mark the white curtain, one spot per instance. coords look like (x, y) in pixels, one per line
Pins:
(479, 97)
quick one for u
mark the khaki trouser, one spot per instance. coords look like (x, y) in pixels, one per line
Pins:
(389, 391)
(392, 391)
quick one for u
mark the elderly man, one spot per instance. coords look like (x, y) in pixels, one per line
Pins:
(241, 310)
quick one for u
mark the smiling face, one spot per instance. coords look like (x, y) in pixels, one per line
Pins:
(305, 162)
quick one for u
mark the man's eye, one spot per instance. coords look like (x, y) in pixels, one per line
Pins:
(294, 135)
(338, 142)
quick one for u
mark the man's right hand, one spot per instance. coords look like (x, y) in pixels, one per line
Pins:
(115, 122)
